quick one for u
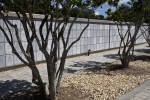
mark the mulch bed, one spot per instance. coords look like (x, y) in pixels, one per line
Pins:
(108, 82)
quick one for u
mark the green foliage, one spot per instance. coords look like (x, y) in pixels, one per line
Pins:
(85, 13)
(113, 2)
(38, 6)
(136, 9)
(42, 6)
(123, 11)
(97, 3)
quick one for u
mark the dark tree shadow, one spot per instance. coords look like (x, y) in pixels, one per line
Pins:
(114, 67)
(8, 88)
(89, 64)
(142, 58)
(112, 56)
(69, 70)
(143, 51)
(85, 66)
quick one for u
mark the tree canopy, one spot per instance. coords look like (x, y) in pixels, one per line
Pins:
(38, 7)
(130, 11)
(85, 13)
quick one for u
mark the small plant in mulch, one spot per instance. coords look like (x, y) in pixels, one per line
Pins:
(72, 86)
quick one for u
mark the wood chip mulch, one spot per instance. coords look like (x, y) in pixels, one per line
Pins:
(106, 84)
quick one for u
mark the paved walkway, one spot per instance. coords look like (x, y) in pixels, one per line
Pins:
(18, 80)
(142, 92)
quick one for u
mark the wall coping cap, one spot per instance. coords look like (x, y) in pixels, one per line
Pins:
(40, 16)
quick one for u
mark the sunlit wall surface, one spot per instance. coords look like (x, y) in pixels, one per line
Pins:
(98, 36)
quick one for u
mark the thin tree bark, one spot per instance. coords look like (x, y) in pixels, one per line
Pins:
(60, 71)
(38, 81)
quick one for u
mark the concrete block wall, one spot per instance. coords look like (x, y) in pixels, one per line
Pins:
(100, 35)
(141, 38)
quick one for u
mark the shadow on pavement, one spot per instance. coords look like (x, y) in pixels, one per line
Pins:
(89, 65)
(143, 50)
(112, 56)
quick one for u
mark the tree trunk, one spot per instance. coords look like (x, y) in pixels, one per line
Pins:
(52, 78)
(148, 41)
(125, 62)
(38, 81)
(62, 63)
(52, 86)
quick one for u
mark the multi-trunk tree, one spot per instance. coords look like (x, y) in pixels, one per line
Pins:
(130, 17)
(56, 18)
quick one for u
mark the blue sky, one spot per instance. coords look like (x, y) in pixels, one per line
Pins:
(105, 7)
